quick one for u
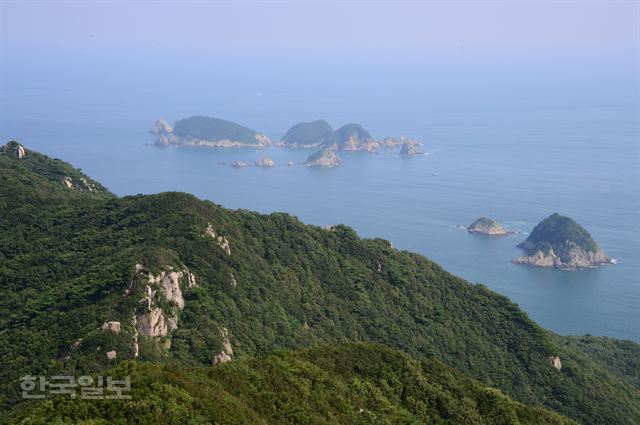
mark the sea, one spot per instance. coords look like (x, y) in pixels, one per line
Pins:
(513, 138)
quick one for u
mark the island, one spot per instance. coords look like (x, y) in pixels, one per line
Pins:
(207, 132)
(487, 226)
(306, 134)
(324, 158)
(560, 242)
(348, 138)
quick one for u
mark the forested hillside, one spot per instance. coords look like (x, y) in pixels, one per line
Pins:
(193, 283)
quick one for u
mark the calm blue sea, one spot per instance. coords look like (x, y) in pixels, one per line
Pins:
(507, 141)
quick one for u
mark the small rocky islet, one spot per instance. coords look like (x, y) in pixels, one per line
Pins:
(487, 226)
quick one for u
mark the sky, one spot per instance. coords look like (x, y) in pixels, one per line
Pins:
(411, 26)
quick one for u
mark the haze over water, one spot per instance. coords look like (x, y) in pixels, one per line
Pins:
(512, 134)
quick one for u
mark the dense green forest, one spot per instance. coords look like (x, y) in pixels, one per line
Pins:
(348, 383)
(555, 231)
(68, 261)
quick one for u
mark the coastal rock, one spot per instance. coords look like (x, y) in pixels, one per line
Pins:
(560, 242)
(265, 163)
(324, 158)
(487, 226)
(14, 150)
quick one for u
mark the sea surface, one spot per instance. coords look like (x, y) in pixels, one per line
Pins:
(515, 145)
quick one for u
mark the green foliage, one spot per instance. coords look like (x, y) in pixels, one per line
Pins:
(67, 257)
(307, 133)
(207, 128)
(554, 232)
(348, 383)
(341, 135)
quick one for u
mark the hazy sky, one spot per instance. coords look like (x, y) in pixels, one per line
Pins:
(338, 26)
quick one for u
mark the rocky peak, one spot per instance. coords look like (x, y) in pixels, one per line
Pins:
(14, 150)
(161, 127)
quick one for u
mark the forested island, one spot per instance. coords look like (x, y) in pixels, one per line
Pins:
(560, 242)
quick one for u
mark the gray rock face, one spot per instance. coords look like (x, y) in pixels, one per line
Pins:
(487, 226)
(111, 326)
(152, 323)
(324, 158)
(226, 354)
(555, 362)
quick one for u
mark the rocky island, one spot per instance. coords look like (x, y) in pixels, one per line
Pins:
(306, 134)
(560, 242)
(324, 158)
(487, 226)
(348, 138)
(207, 132)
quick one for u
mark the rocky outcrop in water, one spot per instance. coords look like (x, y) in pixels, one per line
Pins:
(324, 158)
(265, 163)
(555, 362)
(239, 164)
(487, 226)
(409, 149)
(560, 242)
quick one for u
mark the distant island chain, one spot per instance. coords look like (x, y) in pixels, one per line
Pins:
(201, 131)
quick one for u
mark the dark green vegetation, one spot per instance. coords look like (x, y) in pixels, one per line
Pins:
(67, 257)
(554, 232)
(345, 383)
(307, 134)
(214, 129)
(340, 138)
